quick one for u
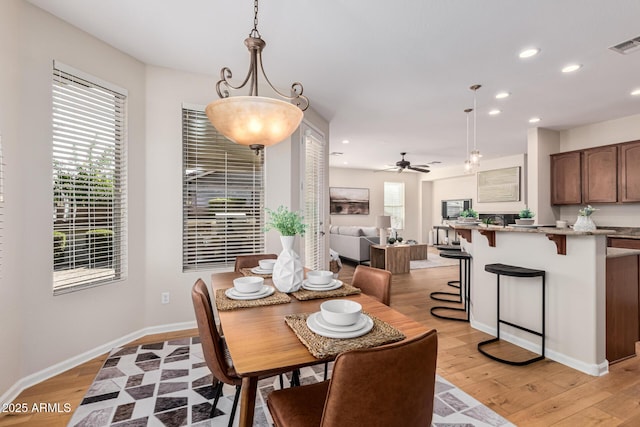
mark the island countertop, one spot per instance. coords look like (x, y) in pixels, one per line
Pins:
(532, 229)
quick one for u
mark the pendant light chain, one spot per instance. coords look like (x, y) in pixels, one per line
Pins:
(254, 32)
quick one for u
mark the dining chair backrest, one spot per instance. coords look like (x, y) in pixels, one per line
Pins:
(212, 344)
(384, 386)
(373, 282)
(248, 261)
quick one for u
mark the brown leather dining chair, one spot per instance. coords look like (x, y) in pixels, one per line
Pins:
(392, 385)
(373, 282)
(214, 349)
(248, 261)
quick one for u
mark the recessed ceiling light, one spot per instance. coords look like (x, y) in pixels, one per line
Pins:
(571, 68)
(345, 141)
(635, 92)
(534, 119)
(528, 53)
(345, 163)
(494, 112)
(502, 95)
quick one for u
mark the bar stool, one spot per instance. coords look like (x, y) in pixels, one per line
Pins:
(452, 247)
(465, 259)
(513, 271)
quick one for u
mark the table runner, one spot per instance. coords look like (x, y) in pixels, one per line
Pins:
(225, 303)
(325, 347)
(247, 272)
(342, 291)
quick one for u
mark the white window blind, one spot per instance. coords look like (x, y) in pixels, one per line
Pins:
(394, 203)
(314, 193)
(223, 196)
(89, 181)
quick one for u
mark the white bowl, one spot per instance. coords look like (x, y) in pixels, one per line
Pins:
(320, 277)
(341, 312)
(267, 264)
(248, 284)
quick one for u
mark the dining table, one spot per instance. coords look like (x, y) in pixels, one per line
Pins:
(260, 343)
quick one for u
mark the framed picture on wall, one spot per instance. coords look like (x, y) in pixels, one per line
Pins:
(348, 201)
(499, 185)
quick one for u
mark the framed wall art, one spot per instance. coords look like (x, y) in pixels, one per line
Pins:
(348, 201)
(499, 185)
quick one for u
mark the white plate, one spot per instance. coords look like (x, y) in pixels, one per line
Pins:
(313, 324)
(361, 323)
(258, 270)
(264, 292)
(334, 284)
(524, 225)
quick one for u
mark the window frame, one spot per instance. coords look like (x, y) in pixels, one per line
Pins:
(395, 208)
(89, 180)
(223, 193)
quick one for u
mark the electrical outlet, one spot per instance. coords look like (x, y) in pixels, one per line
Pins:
(164, 298)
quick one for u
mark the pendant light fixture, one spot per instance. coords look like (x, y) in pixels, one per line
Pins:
(468, 167)
(253, 120)
(475, 153)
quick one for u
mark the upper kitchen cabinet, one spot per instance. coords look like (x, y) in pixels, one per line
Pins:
(629, 171)
(566, 182)
(600, 175)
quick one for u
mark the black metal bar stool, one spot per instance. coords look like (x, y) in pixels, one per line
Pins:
(510, 270)
(452, 283)
(464, 266)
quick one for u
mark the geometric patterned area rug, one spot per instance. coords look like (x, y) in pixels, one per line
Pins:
(169, 384)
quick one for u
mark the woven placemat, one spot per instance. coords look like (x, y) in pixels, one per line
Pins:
(247, 272)
(324, 347)
(225, 303)
(342, 291)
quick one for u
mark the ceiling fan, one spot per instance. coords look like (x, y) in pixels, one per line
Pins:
(403, 164)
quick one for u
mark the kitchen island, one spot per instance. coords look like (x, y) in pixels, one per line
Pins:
(575, 265)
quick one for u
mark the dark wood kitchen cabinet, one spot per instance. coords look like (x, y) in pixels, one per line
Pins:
(622, 307)
(566, 178)
(629, 172)
(600, 175)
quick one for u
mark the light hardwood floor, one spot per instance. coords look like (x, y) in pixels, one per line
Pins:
(542, 394)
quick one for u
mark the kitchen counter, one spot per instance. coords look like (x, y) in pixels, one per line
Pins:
(536, 229)
(620, 252)
(575, 266)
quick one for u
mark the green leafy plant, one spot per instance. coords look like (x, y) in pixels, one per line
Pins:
(526, 213)
(286, 222)
(587, 211)
(469, 213)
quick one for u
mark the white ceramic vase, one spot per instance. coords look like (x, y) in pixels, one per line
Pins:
(287, 272)
(584, 223)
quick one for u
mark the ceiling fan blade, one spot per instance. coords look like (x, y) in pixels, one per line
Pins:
(387, 169)
(413, 168)
(420, 166)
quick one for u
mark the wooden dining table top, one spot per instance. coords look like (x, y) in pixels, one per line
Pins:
(260, 341)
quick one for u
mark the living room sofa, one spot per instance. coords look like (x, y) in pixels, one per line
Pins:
(352, 242)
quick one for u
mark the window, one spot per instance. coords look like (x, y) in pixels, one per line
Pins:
(314, 193)
(223, 196)
(394, 203)
(89, 181)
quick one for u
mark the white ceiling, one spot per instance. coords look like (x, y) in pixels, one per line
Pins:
(394, 76)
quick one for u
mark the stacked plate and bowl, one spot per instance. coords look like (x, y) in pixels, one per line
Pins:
(248, 288)
(340, 318)
(265, 267)
(320, 280)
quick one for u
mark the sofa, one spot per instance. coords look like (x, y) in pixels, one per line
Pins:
(352, 242)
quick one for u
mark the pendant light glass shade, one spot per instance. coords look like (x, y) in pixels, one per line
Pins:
(254, 120)
(475, 155)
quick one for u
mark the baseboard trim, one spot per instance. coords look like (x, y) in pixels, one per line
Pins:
(588, 368)
(74, 361)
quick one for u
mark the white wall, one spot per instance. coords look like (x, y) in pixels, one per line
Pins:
(11, 303)
(453, 183)
(540, 144)
(40, 330)
(593, 135)
(374, 181)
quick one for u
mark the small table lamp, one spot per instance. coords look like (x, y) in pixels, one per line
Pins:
(383, 222)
